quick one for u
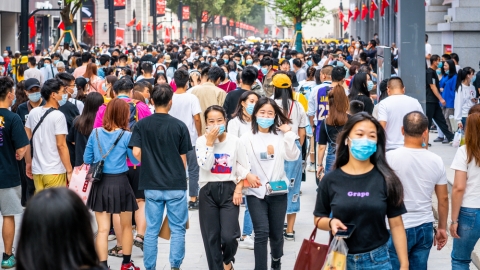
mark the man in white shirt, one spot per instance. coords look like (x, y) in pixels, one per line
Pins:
(428, 51)
(186, 108)
(421, 172)
(392, 110)
(50, 164)
(48, 70)
(32, 71)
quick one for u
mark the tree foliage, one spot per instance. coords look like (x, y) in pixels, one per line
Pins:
(70, 8)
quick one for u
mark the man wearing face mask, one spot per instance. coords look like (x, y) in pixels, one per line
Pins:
(267, 71)
(50, 165)
(6, 62)
(48, 70)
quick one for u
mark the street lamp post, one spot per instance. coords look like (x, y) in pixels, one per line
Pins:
(180, 18)
(341, 22)
(111, 23)
(24, 27)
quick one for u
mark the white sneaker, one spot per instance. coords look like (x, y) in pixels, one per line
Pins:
(246, 243)
(311, 167)
(112, 237)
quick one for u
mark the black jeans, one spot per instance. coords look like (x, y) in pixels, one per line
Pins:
(434, 111)
(219, 223)
(268, 216)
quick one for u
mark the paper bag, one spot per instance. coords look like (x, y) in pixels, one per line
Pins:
(165, 232)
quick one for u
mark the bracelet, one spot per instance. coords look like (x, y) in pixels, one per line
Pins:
(330, 223)
(238, 192)
(454, 222)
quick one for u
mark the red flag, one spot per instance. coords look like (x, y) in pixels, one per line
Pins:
(345, 25)
(340, 15)
(265, 30)
(350, 14)
(131, 23)
(277, 31)
(31, 25)
(364, 11)
(190, 29)
(357, 13)
(167, 32)
(61, 25)
(384, 5)
(139, 26)
(89, 28)
(159, 27)
(167, 35)
(373, 8)
(395, 7)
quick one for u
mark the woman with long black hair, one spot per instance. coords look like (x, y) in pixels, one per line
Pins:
(449, 85)
(83, 126)
(362, 190)
(270, 143)
(362, 84)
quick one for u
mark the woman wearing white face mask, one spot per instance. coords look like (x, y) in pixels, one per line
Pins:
(222, 160)
(362, 191)
(270, 143)
(107, 87)
(357, 51)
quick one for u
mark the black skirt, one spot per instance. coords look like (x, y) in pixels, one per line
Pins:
(134, 180)
(113, 194)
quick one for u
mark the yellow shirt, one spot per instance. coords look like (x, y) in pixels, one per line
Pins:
(302, 99)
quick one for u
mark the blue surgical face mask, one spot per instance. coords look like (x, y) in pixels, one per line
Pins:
(447, 71)
(309, 63)
(214, 64)
(13, 102)
(370, 85)
(63, 100)
(249, 108)
(46, 65)
(265, 122)
(104, 88)
(221, 129)
(440, 65)
(146, 101)
(340, 64)
(264, 71)
(249, 61)
(34, 97)
(362, 149)
(473, 79)
(55, 62)
(439, 72)
(225, 60)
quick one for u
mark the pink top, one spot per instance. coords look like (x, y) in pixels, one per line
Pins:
(173, 85)
(228, 86)
(142, 109)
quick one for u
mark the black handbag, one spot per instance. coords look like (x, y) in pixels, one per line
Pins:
(96, 169)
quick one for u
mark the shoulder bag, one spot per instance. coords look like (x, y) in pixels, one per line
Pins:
(96, 169)
(37, 126)
(277, 187)
(312, 255)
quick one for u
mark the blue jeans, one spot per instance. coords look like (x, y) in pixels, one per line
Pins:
(330, 159)
(247, 221)
(419, 243)
(464, 122)
(177, 213)
(377, 259)
(469, 232)
(293, 170)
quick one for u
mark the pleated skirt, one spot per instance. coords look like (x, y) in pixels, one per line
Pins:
(113, 194)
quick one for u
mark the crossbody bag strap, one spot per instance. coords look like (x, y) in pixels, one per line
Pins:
(111, 148)
(41, 120)
(260, 164)
(291, 107)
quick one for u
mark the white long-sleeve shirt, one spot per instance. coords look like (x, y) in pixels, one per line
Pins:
(266, 167)
(225, 161)
(463, 101)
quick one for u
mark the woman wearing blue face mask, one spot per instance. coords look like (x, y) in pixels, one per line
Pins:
(270, 143)
(223, 162)
(242, 117)
(362, 190)
(360, 90)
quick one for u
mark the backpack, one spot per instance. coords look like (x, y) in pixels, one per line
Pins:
(133, 113)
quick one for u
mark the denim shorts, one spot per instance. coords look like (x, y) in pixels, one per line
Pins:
(377, 259)
(293, 170)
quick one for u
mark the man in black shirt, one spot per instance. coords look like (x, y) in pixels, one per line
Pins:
(147, 69)
(433, 98)
(147, 58)
(249, 75)
(161, 143)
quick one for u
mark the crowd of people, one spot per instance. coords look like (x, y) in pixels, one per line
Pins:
(233, 124)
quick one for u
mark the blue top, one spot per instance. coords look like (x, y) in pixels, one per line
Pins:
(448, 85)
(116, 161)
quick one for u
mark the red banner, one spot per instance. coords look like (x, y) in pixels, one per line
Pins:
(186, 13)
(204, 16)
(31, 46)
(237, 24)
(119, 35)
(216, 19)
(224, 21)
(119, 3)
(161, 4)
(231, 22)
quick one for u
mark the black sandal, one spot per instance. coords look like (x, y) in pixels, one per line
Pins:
(115, 252)
(138, 243)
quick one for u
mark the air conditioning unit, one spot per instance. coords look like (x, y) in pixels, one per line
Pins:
(447, 18)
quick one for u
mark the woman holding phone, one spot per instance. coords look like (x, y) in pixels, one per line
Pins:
(222, 160)
(270, 143)
(361, 191)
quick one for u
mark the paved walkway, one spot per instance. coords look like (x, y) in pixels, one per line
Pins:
(195, 253)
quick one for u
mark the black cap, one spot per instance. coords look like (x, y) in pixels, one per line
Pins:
(30, 83)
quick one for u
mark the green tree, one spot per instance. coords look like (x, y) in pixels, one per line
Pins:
(70, 8)
(298, 11)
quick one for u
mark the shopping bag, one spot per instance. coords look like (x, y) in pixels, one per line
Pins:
(337, 255)
(79, 182)
(457, 138)
(312, 254)
(165, 231)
